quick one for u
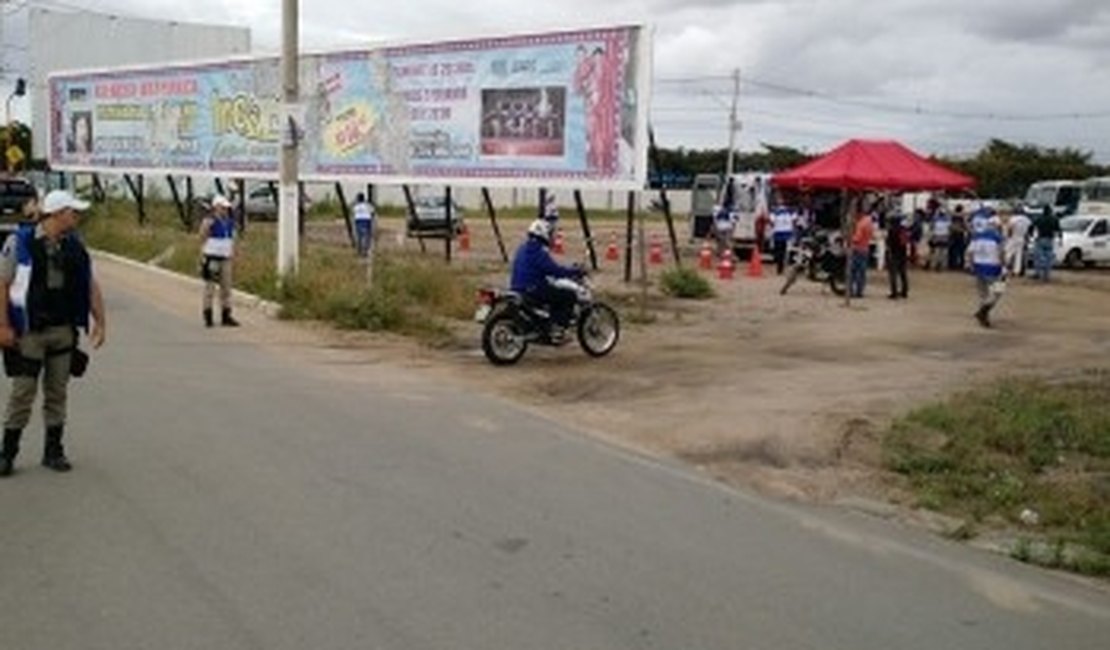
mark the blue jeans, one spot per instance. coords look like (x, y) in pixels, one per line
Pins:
(364, 231)
(858, 279)
(1043, 258)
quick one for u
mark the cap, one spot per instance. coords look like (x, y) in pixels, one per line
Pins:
(220, 201)
(58, 200)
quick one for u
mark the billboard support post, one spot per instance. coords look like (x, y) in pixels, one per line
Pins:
(493, 221)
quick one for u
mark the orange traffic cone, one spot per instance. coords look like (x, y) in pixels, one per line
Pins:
(755, 264)
(655, 252)
(725, 267)
(557, 246)
(705, 256)
(612, 253)
(464, 240)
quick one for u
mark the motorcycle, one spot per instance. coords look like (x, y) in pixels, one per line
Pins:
(820, 258)
(512, 322)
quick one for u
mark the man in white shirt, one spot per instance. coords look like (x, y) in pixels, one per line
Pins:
(1018, 227)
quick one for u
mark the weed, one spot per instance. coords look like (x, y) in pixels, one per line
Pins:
(686, 283)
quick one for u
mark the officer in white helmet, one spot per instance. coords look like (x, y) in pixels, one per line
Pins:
(535, 274)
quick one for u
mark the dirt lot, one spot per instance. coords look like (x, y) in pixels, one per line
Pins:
(784, 394)
(780, 393)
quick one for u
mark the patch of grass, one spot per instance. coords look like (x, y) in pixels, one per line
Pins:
(411, 295)
(686, 283)
(1017, 444)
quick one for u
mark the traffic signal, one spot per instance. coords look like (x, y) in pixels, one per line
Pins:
(20, 87)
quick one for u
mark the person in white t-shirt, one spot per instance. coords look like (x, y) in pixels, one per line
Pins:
(364, 214)
(1018, 227)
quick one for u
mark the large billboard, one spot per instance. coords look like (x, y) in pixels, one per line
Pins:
(555, 109)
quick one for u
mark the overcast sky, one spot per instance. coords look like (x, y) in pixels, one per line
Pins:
(944, 76)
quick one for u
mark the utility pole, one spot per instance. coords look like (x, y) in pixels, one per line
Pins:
(733, 125)
(289, 194)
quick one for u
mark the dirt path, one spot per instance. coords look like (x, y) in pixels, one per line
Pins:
(785, 394)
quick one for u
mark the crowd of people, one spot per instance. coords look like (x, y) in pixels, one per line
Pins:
(990, 244)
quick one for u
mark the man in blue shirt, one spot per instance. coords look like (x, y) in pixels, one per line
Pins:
(534, 271)
(986, 256)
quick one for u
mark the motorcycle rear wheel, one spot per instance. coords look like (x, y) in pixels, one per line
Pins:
(502, 341)
(599, 329)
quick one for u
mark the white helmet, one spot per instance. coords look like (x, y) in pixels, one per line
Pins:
(541, 230)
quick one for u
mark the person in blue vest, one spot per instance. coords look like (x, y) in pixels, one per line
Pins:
(217, 231)
(783, 219)
(987, 263)
(47, 293)
(535, 274)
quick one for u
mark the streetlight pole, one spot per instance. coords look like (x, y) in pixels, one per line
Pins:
(288, 196)
(733, 125)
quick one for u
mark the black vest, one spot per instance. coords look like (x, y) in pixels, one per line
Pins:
(48, 307)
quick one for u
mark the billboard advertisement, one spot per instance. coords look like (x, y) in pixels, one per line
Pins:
(555, 109)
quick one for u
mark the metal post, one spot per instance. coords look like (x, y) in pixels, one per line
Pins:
(190, 204)
(448, 212)
(663, 195)
(346, 210)
(177, 202)
(586, 228)
(493, 221)
(289, 199)
(412, 215)
(241, 199)
(628, 238)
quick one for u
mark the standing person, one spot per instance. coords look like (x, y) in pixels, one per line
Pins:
(957, 240)
(782, 225)
(990, 273)
(940, 227)
(862, 235)
(724, 224)
(897, 256)
(1044, 251)
(364, 215)
(217, 231)
(917, 233)
(1018, 226)
(47, 292)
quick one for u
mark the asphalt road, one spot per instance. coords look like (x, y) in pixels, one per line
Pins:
(230, 495)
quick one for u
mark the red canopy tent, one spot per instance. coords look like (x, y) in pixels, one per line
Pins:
(872, 165)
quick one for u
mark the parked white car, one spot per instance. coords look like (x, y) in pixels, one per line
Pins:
(1085, 241)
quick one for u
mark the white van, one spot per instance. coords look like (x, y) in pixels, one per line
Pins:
(1063, 196)
(1095, 198)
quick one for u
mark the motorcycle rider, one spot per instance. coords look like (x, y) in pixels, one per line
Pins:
(535, 275)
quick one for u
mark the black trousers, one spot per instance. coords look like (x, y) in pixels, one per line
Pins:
(899, 280)
(561, 301)
(780, 254)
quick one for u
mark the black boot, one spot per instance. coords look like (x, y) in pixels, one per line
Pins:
(226, 320)
(54, 454)
(10, 451)
(208, 318)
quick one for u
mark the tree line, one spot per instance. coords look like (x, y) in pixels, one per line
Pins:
(1001, 169)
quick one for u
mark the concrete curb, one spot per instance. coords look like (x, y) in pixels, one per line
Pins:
(240, 298)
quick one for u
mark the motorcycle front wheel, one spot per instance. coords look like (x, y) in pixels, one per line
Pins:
(502, 341)
(599, 329)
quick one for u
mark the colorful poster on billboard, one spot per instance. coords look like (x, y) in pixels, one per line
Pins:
(566, 108)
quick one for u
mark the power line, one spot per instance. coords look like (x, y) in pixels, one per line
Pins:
(890, 107)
